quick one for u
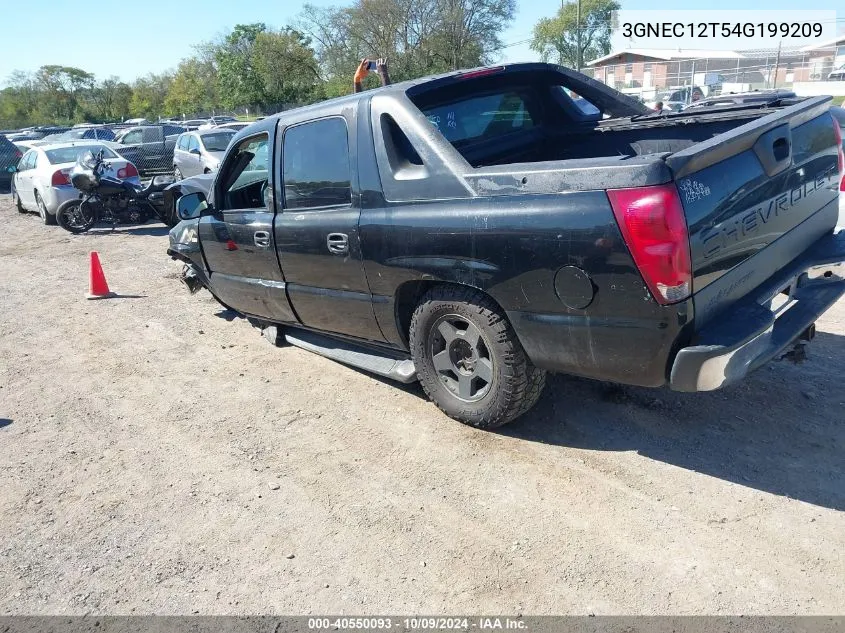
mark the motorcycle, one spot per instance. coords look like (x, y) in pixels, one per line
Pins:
(108, 199)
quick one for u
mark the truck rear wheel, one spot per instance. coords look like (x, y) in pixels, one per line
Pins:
(469, 360)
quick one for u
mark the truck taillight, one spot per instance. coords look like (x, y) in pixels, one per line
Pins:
(127, 172)
(18, 154)
(654, 228)
(60, 178)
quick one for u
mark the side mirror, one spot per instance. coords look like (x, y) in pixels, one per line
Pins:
(190, 206)
(194, 151)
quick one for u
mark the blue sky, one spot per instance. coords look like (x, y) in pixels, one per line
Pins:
(155, 34)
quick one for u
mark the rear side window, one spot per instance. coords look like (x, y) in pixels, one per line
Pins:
(182, 143)
(217, 142)
(481, 117)
(130, 138)
(316, 165)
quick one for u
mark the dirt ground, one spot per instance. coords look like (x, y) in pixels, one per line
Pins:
(157, 455)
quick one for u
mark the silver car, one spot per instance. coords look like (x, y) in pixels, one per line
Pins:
(41, 181)
(200, 152)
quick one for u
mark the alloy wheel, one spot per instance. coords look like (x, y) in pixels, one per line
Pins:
(461, 357)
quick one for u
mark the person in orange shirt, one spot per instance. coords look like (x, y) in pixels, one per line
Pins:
(364, 70)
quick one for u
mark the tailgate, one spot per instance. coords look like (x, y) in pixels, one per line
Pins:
(755, 198)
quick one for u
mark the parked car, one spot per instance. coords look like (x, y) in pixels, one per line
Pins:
(25, 146)
(24, 135)
(756, 97)
(9, 157)
(217, 120)
(41, 181)
(837, 75)
(193, 124)
(200, 152)
(475, 230)
(78, 134)
(237, 126)
(677, 99)
(46, 130)
(149, 147)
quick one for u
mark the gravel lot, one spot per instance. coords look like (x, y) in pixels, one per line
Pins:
(159, 456)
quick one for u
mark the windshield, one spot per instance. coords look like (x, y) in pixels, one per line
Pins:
(69, 154)
(217, 142)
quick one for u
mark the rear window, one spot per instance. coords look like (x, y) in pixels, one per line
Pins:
(69, 154)
(217, 142)
(482, 117)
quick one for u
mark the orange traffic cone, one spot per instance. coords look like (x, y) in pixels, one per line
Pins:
(98, 287)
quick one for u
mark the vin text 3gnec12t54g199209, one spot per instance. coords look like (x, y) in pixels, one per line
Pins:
(478, 229)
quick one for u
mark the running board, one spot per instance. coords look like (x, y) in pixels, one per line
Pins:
(361, 357)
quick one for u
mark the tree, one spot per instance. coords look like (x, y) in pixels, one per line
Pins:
(418, 37)
(193, 89)
(110, 100)
(287, 68)
(149, 93)
(18, 101)
(468, 30)
(238, 78)
(556, 38)
(61, 88)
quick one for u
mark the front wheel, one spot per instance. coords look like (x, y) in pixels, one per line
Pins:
(469, 360)
(75, 217)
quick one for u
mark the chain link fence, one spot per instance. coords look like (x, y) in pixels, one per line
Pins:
(149, 146)
(745, 71)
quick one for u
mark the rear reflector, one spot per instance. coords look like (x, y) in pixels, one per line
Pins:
(60, 178)
(127, 172)
(652, 222)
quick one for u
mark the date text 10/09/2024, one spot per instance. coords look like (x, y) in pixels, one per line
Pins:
(711, 30)
(418, 624)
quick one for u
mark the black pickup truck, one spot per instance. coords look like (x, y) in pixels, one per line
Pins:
(478, 229)
(149, 147)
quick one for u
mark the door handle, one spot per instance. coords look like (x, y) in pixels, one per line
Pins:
(262, 239)
(338, 243)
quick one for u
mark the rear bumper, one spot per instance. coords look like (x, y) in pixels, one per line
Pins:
(55, 196)
(763, 325)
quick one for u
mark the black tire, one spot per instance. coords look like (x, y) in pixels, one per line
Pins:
(16, 199)
(469, 360)
(46, 217)
(70, 219)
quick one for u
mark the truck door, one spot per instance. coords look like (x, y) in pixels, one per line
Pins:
(153, 148)
(132, 141)
(317, 234)
(237, 239)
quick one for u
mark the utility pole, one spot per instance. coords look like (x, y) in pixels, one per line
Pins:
(578, 33)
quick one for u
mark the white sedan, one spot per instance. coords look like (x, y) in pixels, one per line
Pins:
(42, 183)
